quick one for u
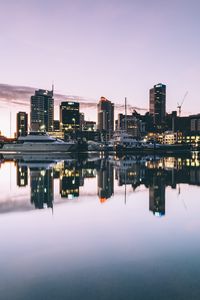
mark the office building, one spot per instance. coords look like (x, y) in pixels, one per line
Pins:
(131, 124)
(69, 116)
(89, 126)
(82, 121)
(22, 123)
(56, 125)
(105, 117)
(42, 111)
(157, 105)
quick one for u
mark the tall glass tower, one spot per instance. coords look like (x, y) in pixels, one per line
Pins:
(42, 110)
(157, 104)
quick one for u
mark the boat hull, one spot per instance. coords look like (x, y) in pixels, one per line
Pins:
(154, 149)
(40, 147)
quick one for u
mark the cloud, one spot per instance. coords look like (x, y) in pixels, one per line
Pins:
(20, 96)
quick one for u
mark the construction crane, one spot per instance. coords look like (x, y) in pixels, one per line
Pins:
(179, 106)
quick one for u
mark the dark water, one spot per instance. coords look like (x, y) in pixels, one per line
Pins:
(100, 228)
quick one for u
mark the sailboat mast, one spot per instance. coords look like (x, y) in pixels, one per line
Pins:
(10, 124)
(125, 114)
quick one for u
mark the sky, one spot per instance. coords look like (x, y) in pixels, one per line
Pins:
(113, 48)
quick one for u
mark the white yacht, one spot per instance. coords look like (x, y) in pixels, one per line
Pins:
(124, 141)
(39, 142)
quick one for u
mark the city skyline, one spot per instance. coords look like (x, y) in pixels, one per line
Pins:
(100, 149)
(16, 98)
(114, 49)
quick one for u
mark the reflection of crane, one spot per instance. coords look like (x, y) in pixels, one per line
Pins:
(179, 192)
(179, 106)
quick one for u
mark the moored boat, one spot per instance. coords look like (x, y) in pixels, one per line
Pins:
(124, 142)
(39, 142)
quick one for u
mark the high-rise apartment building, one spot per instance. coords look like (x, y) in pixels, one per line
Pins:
(157, 104)
(69, 116)
(105, 116)
(42, 111)
(22, 123)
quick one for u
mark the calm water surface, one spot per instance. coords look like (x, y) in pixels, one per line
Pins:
(100, 228)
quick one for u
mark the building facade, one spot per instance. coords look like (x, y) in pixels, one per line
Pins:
(133, 125)
(105, 116)
(69, 116)
(22, 124)
(157, 105)
(42, 111)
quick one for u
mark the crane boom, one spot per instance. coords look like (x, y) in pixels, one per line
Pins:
(179, 106)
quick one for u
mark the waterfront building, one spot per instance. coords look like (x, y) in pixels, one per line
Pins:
(56, 125)
(42, 111)
(157, 105)
(82, 120)
(133, 125)
(22, 124)
(57, 133)
(69, 116)
(187, 128)
(105, 117)
(89, 126)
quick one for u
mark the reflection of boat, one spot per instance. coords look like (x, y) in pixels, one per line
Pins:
(38, 158)
(37, 164)
(174, 147)
(95, 146)
(39, 142)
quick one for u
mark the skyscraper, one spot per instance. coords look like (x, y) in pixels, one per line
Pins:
(69, 115)
(157, 104)
(42, 110)
(22, 123)
(106, 116)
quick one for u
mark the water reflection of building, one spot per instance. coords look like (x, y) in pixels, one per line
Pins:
(105, 180)
(153, 173)
(157, 193)
(22, 176)
(41, 181)
(130, 172)
(69, 181)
